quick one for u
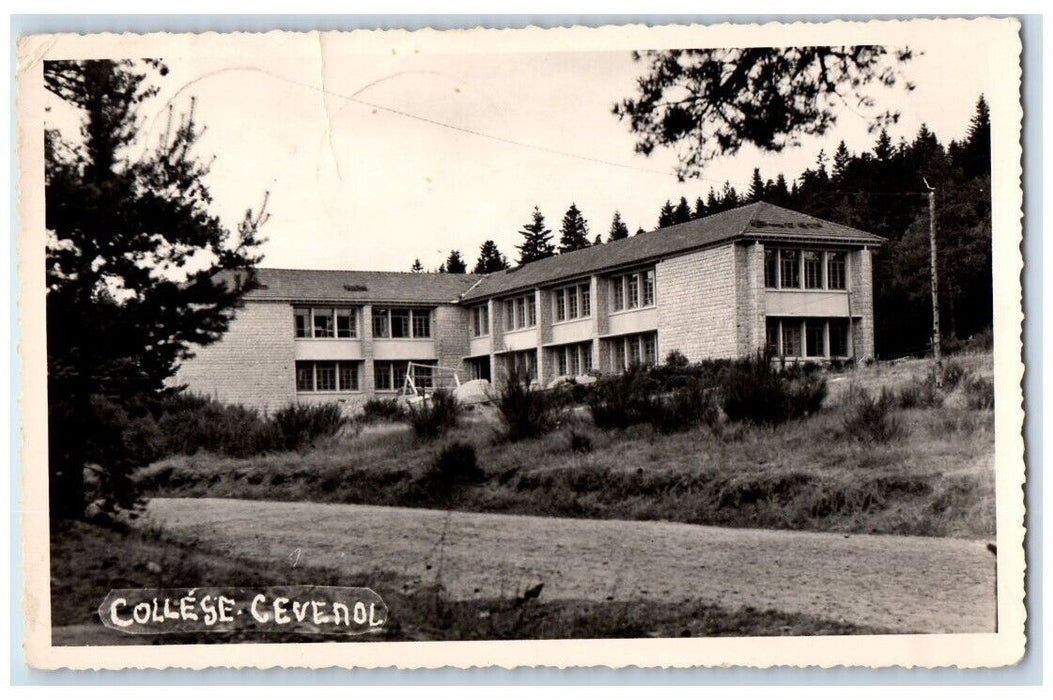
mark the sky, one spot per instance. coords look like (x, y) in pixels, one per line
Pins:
(371, 161)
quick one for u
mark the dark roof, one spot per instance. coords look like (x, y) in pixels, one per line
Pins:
(359, 286)
(757, 221)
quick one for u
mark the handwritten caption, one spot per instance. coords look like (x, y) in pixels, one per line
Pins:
(300, 609)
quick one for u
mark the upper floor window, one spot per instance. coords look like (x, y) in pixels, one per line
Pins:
(520, 312)
(401, 323)
(479, 321)
(573, 302)
(632, 291)
(808, 269)
(326, 323)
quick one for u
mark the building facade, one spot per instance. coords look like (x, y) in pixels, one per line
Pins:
(728, 285)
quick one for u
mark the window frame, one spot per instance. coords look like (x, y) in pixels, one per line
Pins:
(840, 259)
(813, 262)
(310, 370)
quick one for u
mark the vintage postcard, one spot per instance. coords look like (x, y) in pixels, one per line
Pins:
(665, 347)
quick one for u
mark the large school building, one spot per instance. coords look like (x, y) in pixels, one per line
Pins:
(727, 285)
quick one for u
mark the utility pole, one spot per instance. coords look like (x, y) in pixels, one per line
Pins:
(935, 285)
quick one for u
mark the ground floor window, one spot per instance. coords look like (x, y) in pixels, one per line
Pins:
(573, 359)
(478, 367)
(522, 363)
(328, 376)
(635, 349)
(391, 375)
(814, 338)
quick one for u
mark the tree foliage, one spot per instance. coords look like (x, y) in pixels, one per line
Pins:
(490, 259)
(137, 269)
(707, 103)
(618, 228)
(454, 263)
(574, 233)
(537, 240)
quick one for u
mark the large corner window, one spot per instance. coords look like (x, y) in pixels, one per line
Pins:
(326, 322)
(633, 290)
(808, 338)
(327, 376)
(788, 268)
(520, 312)
(401, 323)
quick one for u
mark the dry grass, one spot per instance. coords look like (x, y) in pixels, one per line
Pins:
(938, 479)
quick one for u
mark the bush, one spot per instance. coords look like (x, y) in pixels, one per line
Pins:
(979, 394)
(754, 391)
(806, 395)
(685, 408)
(434, 415)
(379, 410)
(871, 419)
(580, 442)
(921, 392)
(188, 423)
(454, 466)
(625, 399)
(528, 412)
(300, 425)
(953, 374)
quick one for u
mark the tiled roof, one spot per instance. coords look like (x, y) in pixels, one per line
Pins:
(359, 286)
(760, 220)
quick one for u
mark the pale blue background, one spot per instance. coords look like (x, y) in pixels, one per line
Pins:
(1029, 672)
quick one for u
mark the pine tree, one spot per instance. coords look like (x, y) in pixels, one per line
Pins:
(666, 217)
(682, 213)
(138, 272)
(455, 263)
(977, 147)
(574, 233)
(729, 198)
(841, 159)
(537, 240)
(417, 267)
(883, 148)
(713, 202)
(639, 230)
(490, 259)
(756, 192)
(618, 229)
(700, 209)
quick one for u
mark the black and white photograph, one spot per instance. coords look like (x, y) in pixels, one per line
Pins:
(671, 335)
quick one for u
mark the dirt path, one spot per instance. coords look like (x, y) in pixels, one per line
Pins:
(912, 584)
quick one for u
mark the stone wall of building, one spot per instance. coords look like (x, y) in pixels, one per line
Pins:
(696, 304)
(861, 288)
(252, 364)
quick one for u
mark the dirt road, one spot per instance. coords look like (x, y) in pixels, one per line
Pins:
(909, 584)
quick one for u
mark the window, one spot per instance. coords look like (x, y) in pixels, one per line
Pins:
(628, 350)
(401, 323)
(561, 361)
(561, 304)
(835, 270)
(586, 299)
(791, 338)
(531, 311)
(327, 376)
(522, 363)
(814, 338)
(391, 375)
(479, 321)
(346, 326)
(520, 312)
(421, 323)
(838, 337)
(323, 323)
(305, 376)
(510, 315)
(348, 376)
(572, 302)
(648, 288)
(632, 291)
(789, 269)
(573, 360)
(773, 337)
(650, 349)
(617, 293)
(813, 269)
(771, 268)
(381, 327)
(618, 355)
(303, 323)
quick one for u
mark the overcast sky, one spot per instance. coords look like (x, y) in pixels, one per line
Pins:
(353, 186)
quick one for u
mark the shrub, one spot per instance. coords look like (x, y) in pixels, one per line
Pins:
(301, 425)
(434, 415)
(580, 442)
(454, 466)
(979, 394)
(871, 419)
(953, 373)
(921, 392)
(189, 423)
(526, 411)
(806, 394)
(377, 410)
(625, 399)
(684, 408)
(754, 392)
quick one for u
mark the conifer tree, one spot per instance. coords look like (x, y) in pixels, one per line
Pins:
(455, 263)
(700, 209)
(574, 233)
(490, 259)
(537, 240)
(618, 228)
(417, 267)
(682, 213)
(756, 192)
(666, 217)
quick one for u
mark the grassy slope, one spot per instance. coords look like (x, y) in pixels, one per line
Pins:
(81, 578)
(939, 480)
